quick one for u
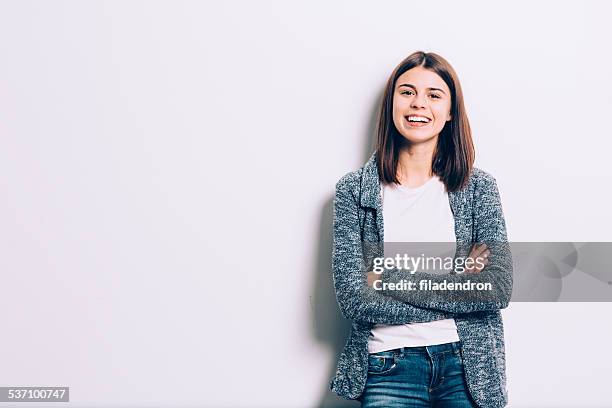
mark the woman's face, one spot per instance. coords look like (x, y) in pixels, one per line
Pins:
(421, 104)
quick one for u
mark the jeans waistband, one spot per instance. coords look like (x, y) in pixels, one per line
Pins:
(430, 350)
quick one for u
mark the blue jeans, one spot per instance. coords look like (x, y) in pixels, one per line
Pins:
(427, 376)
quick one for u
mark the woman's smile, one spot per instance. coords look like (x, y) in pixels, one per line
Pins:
(418, 122)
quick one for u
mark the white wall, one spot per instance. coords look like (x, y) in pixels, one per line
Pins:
(167, 171)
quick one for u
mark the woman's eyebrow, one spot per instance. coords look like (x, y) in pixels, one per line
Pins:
(413, 87)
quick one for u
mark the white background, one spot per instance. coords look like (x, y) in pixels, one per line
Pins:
(167, 172)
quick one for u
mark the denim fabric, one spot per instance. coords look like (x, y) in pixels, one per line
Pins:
(427, 376)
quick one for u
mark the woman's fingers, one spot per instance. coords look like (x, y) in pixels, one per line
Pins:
(478, 249)
(480, 255)
(371, 278)
(474, 252)
(482, 261)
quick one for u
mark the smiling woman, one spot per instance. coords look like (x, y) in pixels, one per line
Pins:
(423, 122)
(420, 185)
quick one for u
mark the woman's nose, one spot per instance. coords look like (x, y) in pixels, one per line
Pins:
(418, 102)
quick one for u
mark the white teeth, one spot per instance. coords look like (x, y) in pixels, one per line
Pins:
(417, 119)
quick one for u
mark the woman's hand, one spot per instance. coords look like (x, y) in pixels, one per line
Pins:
(480, 254)
(372, 277)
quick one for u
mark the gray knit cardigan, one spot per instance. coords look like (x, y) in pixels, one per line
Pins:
(478, 218)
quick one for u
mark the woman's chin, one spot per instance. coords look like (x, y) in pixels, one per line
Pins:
(415, 136)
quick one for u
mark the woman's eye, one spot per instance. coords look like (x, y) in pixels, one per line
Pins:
(434, 96)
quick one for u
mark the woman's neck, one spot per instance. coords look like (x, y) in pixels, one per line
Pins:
(414, 167)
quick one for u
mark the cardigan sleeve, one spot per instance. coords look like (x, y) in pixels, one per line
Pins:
(489, 228)
(357, 301)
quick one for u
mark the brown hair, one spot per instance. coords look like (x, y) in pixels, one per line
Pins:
(454, 155)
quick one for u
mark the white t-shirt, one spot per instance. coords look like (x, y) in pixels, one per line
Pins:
(420, 214)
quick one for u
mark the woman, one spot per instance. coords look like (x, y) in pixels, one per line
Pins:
(421, 348)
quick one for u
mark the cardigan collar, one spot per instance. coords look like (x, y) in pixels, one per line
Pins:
(371, 186)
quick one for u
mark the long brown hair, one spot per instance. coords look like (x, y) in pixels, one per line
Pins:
(454, 155)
